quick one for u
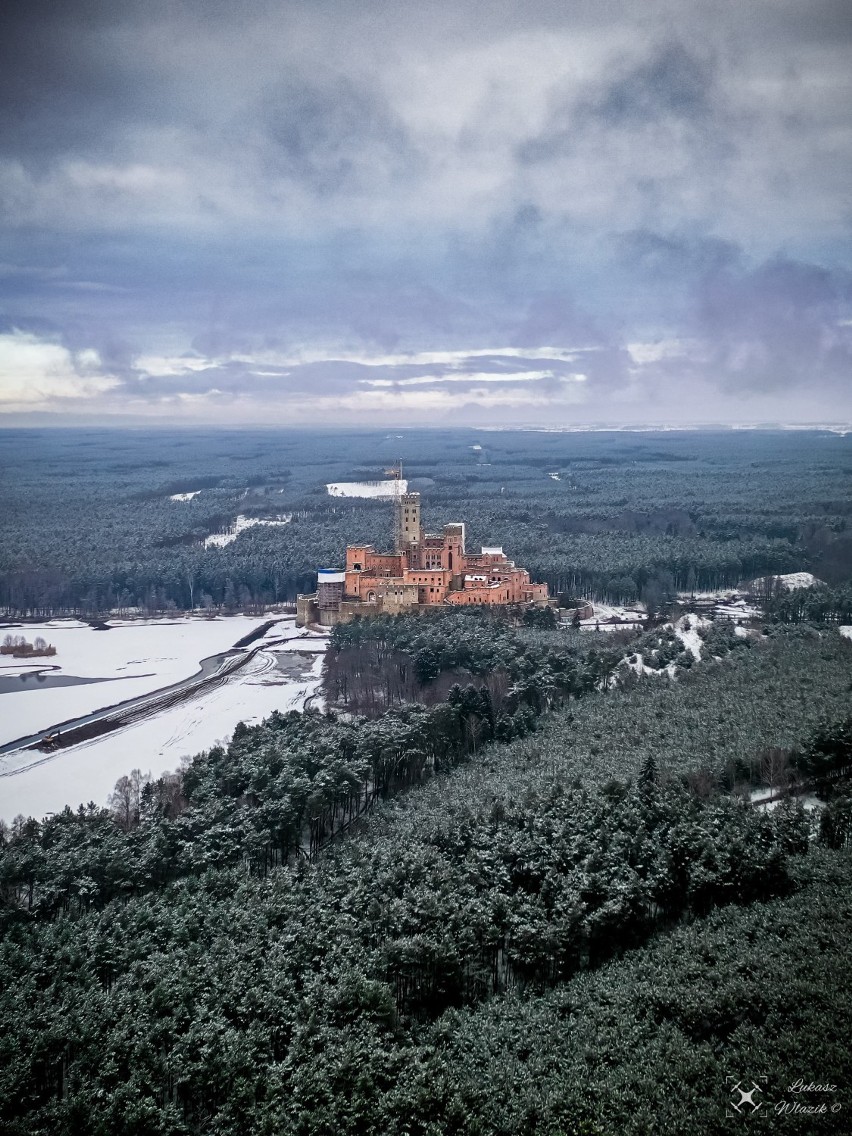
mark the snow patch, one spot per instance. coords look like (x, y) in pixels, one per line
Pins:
(367, 488)
(687, 630)
(608, 617)
(184, 496)
(846, 632)
(738, 609)
(790, 581)
(219, 540)
(757, 795)
(640, 667)
(761, 799)
(719, 594)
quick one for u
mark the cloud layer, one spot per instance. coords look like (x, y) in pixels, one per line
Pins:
(502, 213)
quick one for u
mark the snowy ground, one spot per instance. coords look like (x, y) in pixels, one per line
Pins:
(808, 801)
(790, 581)
(738, 609)
(281, 676)
(610, 616)
(846, 632)
(722, 594)
(729, 603)
(88, 772)
(184, 496)
(367, 488)
(687, 628)
(136, 657)
(220, 539)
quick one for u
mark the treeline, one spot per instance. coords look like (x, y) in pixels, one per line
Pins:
(810, 605)
(645, 1044)
(19, 647)
(622, 569)
(272, 565)
(90, 526)
(561, 881)
(374, 664)
(282, 791)
(279, 792)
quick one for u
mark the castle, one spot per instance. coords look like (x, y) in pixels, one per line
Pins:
(424, 570)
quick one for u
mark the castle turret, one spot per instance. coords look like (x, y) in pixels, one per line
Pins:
(330, 582)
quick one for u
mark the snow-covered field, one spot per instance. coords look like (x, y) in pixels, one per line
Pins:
(89, 771)
(611, 616)
(136, 657)
(184, 496)
(219, 540)
(281, 676)
(366, 488)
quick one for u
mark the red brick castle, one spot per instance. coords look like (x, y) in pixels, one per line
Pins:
(424, 570)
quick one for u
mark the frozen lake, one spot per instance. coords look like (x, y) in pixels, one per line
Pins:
(142, 658)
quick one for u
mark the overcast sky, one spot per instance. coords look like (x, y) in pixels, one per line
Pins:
(472, 212)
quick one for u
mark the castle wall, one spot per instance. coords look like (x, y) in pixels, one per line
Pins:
(307, 610)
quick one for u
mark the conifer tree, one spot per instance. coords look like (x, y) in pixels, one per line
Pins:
(648, 776)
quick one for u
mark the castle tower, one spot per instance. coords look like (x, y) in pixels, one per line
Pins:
(454, 547)
(407, 529)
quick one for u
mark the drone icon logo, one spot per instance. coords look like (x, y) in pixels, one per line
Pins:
(746, 1098)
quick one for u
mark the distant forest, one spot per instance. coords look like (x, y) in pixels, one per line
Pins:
(89, 526)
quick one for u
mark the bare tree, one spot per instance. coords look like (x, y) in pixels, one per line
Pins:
(775, 767)
(125, 798)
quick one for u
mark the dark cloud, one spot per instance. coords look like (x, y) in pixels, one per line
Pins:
(671, 257)
(330, 136)
(780, 325)
(73, 81)
(673, 84)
